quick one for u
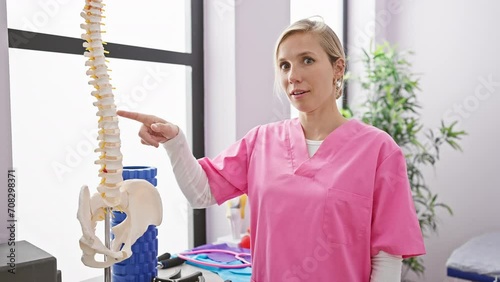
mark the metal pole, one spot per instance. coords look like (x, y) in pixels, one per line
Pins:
(107, 239)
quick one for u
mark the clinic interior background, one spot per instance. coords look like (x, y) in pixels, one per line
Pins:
(455, 47)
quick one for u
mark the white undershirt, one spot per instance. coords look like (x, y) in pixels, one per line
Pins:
(312, 146)
(193, 182)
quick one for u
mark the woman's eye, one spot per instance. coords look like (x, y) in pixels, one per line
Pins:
(308, 61)
(284, 66)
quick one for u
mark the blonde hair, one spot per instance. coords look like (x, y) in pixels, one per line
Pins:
(327, 39)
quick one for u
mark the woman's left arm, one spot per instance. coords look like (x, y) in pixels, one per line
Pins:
(386, 268)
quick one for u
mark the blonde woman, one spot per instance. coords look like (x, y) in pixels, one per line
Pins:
(329, 197)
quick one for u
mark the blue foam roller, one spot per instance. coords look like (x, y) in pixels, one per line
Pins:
(141, 266)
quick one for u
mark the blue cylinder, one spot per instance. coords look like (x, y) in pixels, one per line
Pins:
(141, 266)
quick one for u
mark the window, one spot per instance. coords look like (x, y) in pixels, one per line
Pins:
(153, 24)
(156, 71)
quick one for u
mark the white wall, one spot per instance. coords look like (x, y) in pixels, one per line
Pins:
(361, 29)
(220, 98)
(239, 42)
(5, 129)
(456, 47)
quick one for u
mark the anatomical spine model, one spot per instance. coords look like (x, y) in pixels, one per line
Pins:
(136, 197)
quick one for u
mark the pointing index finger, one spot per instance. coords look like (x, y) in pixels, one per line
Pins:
(146, 119)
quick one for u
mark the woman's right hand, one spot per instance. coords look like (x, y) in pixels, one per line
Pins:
(154, 130)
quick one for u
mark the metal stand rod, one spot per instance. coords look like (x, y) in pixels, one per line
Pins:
(107, 239)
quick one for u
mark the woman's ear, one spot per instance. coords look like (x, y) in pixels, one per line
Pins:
(339, 68)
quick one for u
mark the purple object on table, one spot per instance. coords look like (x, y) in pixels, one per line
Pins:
(221, 257)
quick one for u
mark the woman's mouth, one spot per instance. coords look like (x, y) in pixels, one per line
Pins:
(298, 93)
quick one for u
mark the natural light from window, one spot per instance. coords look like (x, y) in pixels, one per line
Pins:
(54, 124)
(154, 24)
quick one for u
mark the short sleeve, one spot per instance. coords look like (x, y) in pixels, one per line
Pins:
(395, 228)
(227, 173)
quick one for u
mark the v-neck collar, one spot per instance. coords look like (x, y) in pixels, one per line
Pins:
(304, 165)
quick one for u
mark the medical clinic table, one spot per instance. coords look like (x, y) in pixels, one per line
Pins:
(186, 269)
(207, 255)
(477, 260)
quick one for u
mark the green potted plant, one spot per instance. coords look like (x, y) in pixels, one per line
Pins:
(391, 105)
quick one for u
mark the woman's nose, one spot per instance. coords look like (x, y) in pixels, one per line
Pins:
(294, 75)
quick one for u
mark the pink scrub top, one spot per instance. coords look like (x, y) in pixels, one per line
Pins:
(319, 218)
